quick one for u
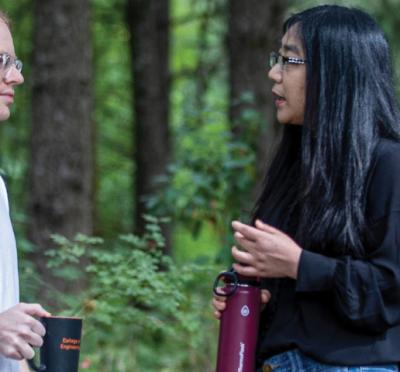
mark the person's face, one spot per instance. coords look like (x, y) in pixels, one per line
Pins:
(8, 79)
(289, 81)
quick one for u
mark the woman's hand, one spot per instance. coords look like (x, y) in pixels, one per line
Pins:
(267, 252)
(219, 302)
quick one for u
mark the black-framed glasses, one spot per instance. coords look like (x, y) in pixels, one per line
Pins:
(276, 58)
(7, 61)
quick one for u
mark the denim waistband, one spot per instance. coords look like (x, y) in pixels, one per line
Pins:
(296, 361)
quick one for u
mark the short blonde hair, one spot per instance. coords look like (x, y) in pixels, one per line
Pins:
(4, 17)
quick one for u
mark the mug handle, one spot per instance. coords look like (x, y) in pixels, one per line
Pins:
(33, 366)
(42, 367)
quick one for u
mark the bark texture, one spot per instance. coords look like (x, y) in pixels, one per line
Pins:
(60, 199)
(148, 22)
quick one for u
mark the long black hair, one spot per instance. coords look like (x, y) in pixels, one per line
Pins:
(350, 104)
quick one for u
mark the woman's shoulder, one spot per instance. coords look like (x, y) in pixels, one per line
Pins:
(383, 185)
(387, 149)
(385, 164)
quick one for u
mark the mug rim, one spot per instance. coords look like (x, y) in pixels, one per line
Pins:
(62, 317)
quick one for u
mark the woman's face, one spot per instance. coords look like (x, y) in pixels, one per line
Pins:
(289, 81)
(8, 79)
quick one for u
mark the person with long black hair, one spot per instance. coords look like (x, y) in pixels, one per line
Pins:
(325, 237)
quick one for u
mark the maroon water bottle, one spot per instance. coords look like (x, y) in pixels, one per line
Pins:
(239, 322)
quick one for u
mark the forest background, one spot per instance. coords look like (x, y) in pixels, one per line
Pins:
(143, 128)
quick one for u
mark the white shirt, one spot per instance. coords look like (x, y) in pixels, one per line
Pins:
(9, 284)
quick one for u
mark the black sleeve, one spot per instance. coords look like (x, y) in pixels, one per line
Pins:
(366, 292)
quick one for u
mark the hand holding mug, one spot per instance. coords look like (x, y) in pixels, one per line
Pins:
(61, 345)
(19, 330)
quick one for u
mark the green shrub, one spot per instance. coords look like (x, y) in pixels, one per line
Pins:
(142, 312)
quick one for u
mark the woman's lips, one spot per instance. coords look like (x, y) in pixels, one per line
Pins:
(279, 100)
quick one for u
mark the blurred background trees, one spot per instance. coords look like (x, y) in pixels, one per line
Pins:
(133, 107)
(148, 23)
(60, 196)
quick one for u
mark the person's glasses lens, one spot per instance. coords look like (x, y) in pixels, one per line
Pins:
(4, 60)
(19, 65)
(273, 59)
(7, 62)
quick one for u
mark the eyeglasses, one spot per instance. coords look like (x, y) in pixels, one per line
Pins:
(276, 58)
(7, 61)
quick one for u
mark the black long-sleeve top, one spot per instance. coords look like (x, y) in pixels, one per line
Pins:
(346, 311)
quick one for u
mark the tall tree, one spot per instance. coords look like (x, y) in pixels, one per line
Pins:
(60, 199)
(254, 28)
(148, 22)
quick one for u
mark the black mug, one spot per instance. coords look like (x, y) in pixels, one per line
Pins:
(61, 345)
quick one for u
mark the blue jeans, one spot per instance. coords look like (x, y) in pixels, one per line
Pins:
(296, 361)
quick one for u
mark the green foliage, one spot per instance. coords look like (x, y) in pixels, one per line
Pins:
(144, 311)
(113, 114)
(212, 177)
(139, 302)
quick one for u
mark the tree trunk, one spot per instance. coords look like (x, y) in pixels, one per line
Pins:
(148, 22)
(254, 28)
(60, 199)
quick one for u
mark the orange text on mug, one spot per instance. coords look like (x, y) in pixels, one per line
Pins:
(70, 344)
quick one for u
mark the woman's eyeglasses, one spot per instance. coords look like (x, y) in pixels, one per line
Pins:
(276, 58)
(7, 61)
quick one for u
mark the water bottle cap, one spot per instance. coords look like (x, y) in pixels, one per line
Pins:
(230, 279)
(248, 280)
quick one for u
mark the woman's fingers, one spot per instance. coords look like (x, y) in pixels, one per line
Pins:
(218, 305)
(265, 296)
(241, 256)
(248, 245)
(245, 270)
(217, 314)
(266, 228)
(247, 231)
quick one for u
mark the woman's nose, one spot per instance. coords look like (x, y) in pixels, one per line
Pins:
(275, 73)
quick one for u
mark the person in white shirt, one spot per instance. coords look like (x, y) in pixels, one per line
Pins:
(20, 331)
